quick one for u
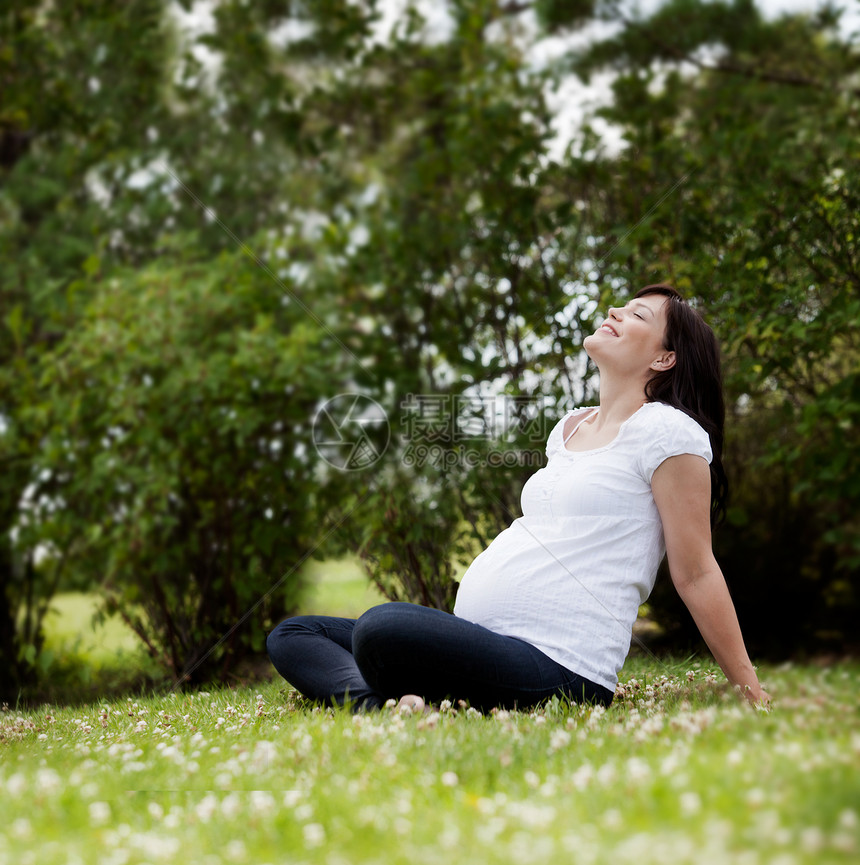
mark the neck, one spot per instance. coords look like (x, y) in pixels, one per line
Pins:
(619, 399)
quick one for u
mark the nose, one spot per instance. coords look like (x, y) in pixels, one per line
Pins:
(614, 313)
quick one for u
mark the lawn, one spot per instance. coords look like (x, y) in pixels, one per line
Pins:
(676, 771)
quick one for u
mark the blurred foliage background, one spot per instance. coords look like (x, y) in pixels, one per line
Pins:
(215, 216)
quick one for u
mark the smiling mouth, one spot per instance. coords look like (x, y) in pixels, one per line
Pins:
(609, 327)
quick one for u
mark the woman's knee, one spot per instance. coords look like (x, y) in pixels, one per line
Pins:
(382, 622)
(284, 631)
(368, 625)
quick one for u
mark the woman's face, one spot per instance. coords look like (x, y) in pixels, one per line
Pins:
(630, 339)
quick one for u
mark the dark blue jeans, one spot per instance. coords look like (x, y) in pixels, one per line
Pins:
(396, 649)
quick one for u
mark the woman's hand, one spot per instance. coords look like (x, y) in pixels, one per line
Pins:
(759, 699)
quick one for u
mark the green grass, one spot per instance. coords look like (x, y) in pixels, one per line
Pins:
(338, 588)
(676, 771)
(69, 629)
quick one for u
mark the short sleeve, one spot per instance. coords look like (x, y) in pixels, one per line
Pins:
(672, 433)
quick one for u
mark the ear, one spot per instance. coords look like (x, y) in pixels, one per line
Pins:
(664, 362)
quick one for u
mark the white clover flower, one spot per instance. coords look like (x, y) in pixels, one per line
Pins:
(157, 846)
(734, 757)
(21, 828)
(755, 797)
(612, 819)
(261, 802)
(606, 774)
(16, 784)
(206, 807)
(812, 839)
(264, 753)
(489, 830)
(235, 849)
(231, 805)
(450, 837)
(559, 739)
(450, 779)
(304, 812)
(99, 812)
(314, 834)
(637, 770)
(690, 802)
(843, 841)
(532, 779)
(582, 776)
(848, 819)
(485, 806)
(172, 820)
(47, 781)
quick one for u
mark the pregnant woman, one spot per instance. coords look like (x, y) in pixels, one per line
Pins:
(548, 608)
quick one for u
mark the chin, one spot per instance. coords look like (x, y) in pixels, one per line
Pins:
(588, 343)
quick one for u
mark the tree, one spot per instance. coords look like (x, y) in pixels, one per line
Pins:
(121, 147)
(177, 460)
(463, 282)
(80, 87)
(736, 183)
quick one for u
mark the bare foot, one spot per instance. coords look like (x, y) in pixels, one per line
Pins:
(411, 703)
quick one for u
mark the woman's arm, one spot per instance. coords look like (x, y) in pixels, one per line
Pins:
(682, 492)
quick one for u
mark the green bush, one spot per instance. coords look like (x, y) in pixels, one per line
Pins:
(177, 459)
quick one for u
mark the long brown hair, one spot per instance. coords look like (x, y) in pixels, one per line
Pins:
(695, 383)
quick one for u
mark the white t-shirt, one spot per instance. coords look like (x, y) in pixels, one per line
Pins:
(569, 575)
